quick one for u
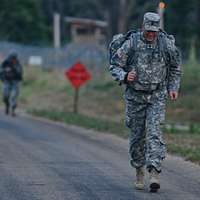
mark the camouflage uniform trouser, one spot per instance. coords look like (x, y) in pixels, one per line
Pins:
(145, 114)
(10, 93)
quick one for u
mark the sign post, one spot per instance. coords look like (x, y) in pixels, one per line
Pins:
(78, 75)
(161, 9)
(76, 95)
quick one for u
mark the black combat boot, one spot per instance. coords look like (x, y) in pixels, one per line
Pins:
(154, 180)
(13, 111)
(7, 106)
(7, 110)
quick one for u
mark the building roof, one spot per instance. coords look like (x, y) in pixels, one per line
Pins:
(85, 21)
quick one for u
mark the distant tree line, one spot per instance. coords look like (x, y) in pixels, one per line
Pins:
(30, 21)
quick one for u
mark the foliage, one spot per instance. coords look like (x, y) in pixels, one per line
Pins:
(187, 107)
(22, 21)
(30, 21)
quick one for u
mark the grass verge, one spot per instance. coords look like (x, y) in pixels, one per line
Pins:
(188, 153)
(181, 143)
(88, 122)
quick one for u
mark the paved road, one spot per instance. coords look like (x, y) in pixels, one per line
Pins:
(43, 161)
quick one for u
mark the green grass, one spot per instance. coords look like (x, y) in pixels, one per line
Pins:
(192, 128)
(188, 153)
(187, 107)
(97, 124)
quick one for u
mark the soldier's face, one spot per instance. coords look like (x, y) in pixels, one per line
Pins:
(14, 61)
(150, 36)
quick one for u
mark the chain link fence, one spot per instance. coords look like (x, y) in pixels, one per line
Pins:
(93, 56)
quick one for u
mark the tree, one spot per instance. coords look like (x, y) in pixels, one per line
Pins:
(30, 21)
(22, 21)
(123, 16)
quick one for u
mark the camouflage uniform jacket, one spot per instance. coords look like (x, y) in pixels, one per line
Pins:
(152, 66)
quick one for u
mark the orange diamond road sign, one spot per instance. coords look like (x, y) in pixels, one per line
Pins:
(78, 75)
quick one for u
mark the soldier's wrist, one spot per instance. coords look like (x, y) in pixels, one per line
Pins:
(126, 78)
(172, 91)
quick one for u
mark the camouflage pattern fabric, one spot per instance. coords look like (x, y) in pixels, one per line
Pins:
(145, 114)
(151, 21)
(11, 92)
(150, 65)
(146, 97)
(11, 74)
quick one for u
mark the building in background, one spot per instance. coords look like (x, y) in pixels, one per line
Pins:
(87, 30)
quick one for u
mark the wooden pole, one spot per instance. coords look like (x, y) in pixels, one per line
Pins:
(56, 32)
(161, 10)
(76, 97)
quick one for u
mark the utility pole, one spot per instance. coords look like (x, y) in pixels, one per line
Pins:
(56, 27)
(161, 10)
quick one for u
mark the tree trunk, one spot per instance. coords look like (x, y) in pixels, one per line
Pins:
(123, 16)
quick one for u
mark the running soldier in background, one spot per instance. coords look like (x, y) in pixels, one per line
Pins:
(148, 63)
(11, 76)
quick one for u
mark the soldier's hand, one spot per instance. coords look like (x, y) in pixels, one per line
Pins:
(131, 76)
(173, 95)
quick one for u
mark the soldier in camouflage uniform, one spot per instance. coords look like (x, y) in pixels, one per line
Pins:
(11, 75)
(153, 74)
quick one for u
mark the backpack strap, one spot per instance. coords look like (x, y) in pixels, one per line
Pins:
(164, 49)
(163, 45)
(133, 40)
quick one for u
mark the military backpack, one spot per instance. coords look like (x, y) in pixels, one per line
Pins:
(118, 41)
